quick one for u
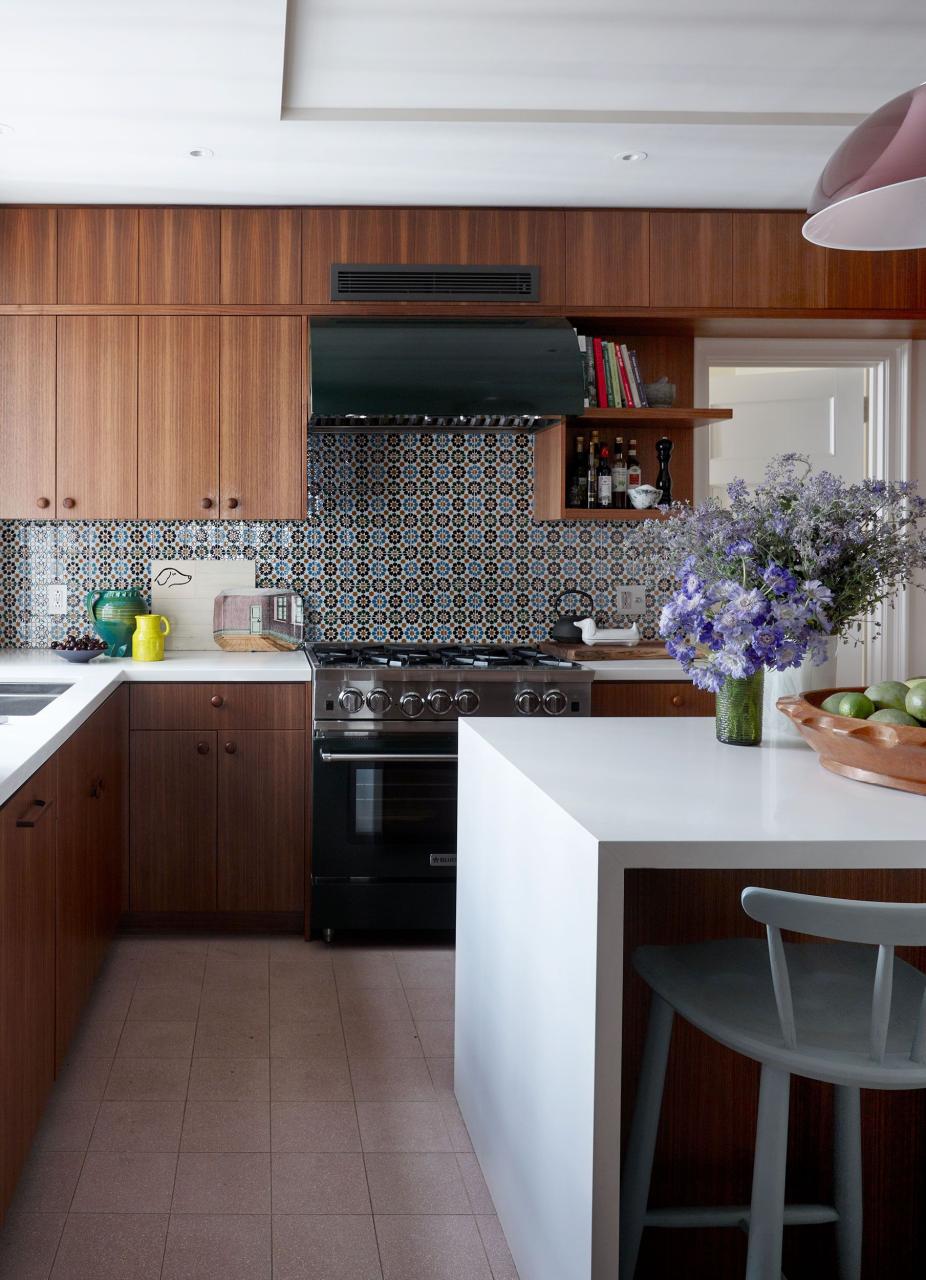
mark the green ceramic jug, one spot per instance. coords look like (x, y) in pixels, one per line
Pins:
(113, 613)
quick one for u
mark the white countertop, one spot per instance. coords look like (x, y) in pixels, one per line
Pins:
(26, 742)
(666, 779)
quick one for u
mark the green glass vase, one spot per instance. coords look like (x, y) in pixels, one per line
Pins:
(739, 711)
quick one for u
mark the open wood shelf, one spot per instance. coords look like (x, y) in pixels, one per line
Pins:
(674, 417)
(609, 513)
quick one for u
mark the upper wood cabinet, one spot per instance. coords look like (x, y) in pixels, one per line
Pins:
(773, 265)
(691, 258)
(262, 415)
(98, 256)
(178, 417)
(873, 281)
(261, 251)
(28, 264)
(27, 417)
(607, 258)
(178, 256)
(452, 237)
(97, 424)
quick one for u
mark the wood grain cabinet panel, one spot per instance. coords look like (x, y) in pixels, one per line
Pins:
(27, 417)
(773, 265)
(218, 707)
(650, 698)
(873, 281)
(28, 255)
(607, 258)
(27, 967)
(97, 417)
(348, 235)
(178, 417)
(178, 256)
(262, 418)
(98, 255)
(261, 820)
(261, 255)
(691, 258)
(173, 798)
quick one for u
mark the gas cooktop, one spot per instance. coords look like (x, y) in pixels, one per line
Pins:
(432, 657)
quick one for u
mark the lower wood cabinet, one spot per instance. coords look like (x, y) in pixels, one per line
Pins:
(650, 698)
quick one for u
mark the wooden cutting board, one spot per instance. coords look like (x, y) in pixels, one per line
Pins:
(604, 652)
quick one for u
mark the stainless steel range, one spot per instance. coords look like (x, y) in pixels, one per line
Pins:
(384, 769)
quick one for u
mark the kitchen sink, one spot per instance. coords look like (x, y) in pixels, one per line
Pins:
(51, 690)
(28, 699)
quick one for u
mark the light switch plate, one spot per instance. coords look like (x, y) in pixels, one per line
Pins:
(57, 598)
(631, 600)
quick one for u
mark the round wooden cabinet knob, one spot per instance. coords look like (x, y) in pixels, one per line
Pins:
(232, 503)
(202, 748)
(43, 503)
(68, 503)
(206, 503)
(231, 748)
(677, 700)
(217, 700)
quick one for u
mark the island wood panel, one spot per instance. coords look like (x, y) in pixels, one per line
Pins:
(178, 417)
(111, 724)
(773, 265)
(178, 256)
(650, 698)
(261, 255)
(607, 258)
(875, 281)
(27, 968)
(27, 417)
(97, 255)
(28, 255)
(97, 401)
(220, 707)
(173, 827)
(261, 820)
(691, 258)
(706, 1137)
(262, 418)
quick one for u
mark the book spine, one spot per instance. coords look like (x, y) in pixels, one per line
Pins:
(590, 375)
(625, 381)
(615, 375)
(583, 350)
(644, 403)
(608, 381)
(631, 377)
(599, 374)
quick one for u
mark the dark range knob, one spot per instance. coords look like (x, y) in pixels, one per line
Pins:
(350, 700)
(412, 705)
(43, 503)
(217, 700)
(231, 748)
(379, 701)
(554, 702)
(467, 701)
(440, 701)
(527, 702)
(202, 748)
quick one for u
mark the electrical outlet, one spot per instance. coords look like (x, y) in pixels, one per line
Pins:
(57, 598)
(631, 600)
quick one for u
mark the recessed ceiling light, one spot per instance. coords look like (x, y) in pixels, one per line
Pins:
(6, 128)
(202, 153)
(634, 155)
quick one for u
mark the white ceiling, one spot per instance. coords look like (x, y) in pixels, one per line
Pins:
(737, 102)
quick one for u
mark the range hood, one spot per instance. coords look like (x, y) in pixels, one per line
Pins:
(442, 375)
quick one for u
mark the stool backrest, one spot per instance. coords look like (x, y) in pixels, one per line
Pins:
(881, 924)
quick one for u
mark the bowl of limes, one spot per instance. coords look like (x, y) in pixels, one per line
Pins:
(874, 735)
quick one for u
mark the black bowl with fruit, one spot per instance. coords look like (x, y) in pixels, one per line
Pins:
(79, 648)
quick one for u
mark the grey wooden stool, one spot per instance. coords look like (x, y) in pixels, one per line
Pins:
(833, 1011)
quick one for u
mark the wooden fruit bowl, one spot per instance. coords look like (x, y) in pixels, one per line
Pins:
(889, 755)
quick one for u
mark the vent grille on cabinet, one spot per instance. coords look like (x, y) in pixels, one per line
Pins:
(355, 282)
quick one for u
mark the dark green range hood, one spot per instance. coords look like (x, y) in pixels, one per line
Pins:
(440, 375)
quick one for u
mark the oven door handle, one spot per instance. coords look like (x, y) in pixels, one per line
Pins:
(386, 757)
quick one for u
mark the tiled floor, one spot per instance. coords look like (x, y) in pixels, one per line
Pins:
(241, 1109)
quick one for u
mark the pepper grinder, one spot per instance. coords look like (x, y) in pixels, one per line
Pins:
(664, 480)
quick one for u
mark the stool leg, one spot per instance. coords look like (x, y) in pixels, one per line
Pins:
(766, 1217)
(638, 1166)
(847, 1177)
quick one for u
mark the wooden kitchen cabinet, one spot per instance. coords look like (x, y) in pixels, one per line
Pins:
(27, 967)
(178, 257)
(27, 417)
(873, 281)
(773, 265)
(607, 258)
(220, 707)
(262, 418)
(97, 405)
(178, 417)
(691, 258)
(261, 256)
(28, 263)
(650, 698)
(98, 255)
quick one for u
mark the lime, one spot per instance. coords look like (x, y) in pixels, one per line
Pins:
(891, 715)
(888, 693)
(831, 704)
(858, 706)
(916, 701)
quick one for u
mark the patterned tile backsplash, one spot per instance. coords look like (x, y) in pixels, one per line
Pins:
(412, 538)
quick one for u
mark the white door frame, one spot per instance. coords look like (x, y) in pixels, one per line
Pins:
(889, 445)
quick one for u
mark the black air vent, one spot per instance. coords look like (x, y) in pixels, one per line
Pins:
(355, 282)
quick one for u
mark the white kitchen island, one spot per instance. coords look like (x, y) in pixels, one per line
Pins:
(551, 813)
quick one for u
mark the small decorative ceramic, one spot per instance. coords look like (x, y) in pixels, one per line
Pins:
(78, 655)
(660, 394)
(644, 495)
(254, 619)
(148, 637)
(113, 613)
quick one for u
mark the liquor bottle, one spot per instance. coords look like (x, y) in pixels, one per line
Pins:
(577, 488)
(604, 479)
(664, 479)
(634, 472)
(619, 475)
(591, 494)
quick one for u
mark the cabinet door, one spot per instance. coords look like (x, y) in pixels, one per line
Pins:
(27, 967)
(111, 726)
(262, 418)
(28, 270)
(873, 281)
(27, 417)
(691, 258)
(261, 255)
(172, 798)
(773, 265)
(178, 256)
(261, 820)
(97, 417)
(98, 255)
(178, 417)
(650, 698)
(607, 258)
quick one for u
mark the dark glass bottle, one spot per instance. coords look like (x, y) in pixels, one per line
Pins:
(604, 479)
(619, 475)
(591, 494)
(664, 479)
(577, 485)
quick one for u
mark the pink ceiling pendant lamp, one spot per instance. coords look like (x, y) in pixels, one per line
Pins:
(872, 193)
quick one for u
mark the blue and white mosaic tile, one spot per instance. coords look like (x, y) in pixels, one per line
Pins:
(408, 538)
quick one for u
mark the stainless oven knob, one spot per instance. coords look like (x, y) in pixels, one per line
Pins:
(412, 704)
(554, 702)
(379, 701)
(527, 702)
(440, 701)
(467, 701)
(350, 700)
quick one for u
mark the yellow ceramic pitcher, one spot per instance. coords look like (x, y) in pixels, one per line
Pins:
(148, 637)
